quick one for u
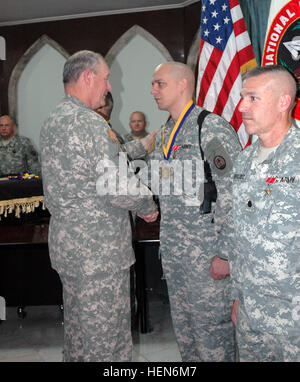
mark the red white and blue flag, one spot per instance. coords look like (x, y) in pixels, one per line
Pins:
(225, 54)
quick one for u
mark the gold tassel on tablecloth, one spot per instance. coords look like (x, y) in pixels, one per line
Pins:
(22, 205)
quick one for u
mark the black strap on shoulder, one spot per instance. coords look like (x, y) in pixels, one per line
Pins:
(200, 120)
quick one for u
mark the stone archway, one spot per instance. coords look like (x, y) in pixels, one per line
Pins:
(128, 35)
(132, 60)
(20, 66)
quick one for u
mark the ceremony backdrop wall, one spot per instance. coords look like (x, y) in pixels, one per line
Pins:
(174, 29)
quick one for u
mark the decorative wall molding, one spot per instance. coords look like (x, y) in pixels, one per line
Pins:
(192, 57)
(127, 36)
(20, 66)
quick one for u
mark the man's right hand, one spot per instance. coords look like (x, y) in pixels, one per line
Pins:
(219, 268)
(148, 141)
(149, 218)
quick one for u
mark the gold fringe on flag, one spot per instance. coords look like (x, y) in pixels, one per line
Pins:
(22, 205)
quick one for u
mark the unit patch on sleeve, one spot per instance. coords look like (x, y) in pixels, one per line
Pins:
(216, 153)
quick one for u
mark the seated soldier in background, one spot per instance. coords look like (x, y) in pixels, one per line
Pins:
(17, 154)
(137, 125)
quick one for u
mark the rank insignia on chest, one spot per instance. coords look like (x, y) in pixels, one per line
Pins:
(269, 181)
(288, 180)
(268, 190)
(174, 149)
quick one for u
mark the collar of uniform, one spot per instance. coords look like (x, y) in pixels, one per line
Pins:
(282, 146)
(8, 142)
(252, 150)
(77, 101)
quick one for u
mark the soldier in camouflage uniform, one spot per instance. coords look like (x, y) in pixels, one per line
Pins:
(266, 214)
(17, 154)
(90, 235)
(189, 240)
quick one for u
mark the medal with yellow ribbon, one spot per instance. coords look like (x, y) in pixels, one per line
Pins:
(167, 150)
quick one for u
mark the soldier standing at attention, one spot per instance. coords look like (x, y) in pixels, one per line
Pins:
(90, 235)
(17, 154)
(265, 270)
(189, 238)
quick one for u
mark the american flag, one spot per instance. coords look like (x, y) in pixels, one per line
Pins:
(225, 54)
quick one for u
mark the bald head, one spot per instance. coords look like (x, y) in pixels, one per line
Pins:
(179, 71)
(173, 87)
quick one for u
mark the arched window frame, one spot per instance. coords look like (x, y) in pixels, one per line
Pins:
(20, 66)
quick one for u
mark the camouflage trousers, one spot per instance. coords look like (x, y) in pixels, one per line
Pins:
(97, 318)
(255, 346)
(200, 308)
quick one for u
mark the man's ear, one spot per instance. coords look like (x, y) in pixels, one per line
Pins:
(183, 83)
(86, 76)
(285, 101)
